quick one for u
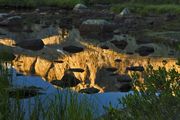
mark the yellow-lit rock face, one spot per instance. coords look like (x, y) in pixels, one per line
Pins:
(93, 60)
(7, 42)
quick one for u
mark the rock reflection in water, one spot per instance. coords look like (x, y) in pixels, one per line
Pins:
(98, 68)
(94, 61)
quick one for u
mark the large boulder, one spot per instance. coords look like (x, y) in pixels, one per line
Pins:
(145, 50)
(36, 44)
(97, 28)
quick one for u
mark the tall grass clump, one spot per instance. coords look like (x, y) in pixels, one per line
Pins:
(60, 106)
(157, 99)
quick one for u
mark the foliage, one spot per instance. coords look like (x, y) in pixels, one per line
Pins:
(145, 9)
(65, 106)
(37, 3)
(158, 98)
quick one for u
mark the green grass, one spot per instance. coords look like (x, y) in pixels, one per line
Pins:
(63, 107)
(37, 3)
(145, 9)
(145, 104)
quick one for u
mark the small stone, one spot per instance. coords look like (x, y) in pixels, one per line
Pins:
(125, 12)
(91, 90)
(73, 49)
(76, 70)
(135, 68)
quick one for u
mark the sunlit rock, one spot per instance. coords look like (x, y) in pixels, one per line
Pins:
(25, 64)
(42, 66)
(7, 41)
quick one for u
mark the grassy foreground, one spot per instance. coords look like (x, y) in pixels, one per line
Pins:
(157, 99)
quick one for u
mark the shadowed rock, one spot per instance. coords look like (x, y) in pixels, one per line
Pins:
(111, 69)
(91, 90)
(6, 54)
(76, 70)
(73, 49)
(68, 80)
(104, 47)
(144, 50)
(135, 68)
(34, 45)
(58, 61)
(12, 21)
(25, 92)
(118, 60)
(124, 78)
(120, 44)
(125, 87)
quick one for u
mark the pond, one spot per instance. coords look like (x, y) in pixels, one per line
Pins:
(53, 54)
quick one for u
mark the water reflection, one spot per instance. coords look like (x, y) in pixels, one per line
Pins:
(100, 68)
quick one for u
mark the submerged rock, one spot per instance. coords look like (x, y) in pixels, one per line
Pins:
(125, 87)
(73, 49)
(25, 92)
(34, 45)
(90, 90)
(124, 78)
(118, 60)
(104, 47)
(12, 21)
(111, 69)
(120, 44)
(144, 50)
(68, 80)
(76, 70)
(135, 68)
